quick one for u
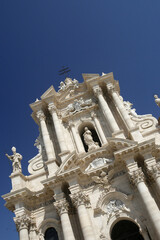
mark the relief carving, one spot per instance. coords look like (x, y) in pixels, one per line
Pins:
(99, 162)
(61, 206)
(78, 105)
(103, 181)
(68, 82)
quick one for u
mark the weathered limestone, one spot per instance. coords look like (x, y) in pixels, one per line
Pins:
(22, 225)
(62, 208)
(45, 134)
(137, 178)
(81, 170)
(82, 201)
(107, 112)
(58, 128)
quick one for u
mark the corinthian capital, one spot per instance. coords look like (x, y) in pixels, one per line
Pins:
(61, 206)
(81, 199)
(22, 222)
(97, 90)
(136, 177)
(51, 108)
(40, 115)
(154, 172)
(110, 88)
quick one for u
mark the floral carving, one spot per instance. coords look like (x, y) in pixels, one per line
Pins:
(41, 116)
(81, 199)
(154, 172)
(136, 176)
(97, 91)
(22, 222)
(61, 206)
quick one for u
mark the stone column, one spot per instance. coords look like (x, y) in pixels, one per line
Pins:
(22, 225)
(62, 208)
(119, 104)
(82, 201)
(99, 128)
(137, 178)
(107, 113)
(46, 139)
(33, 231)
(154, 174)
(58, 128)
(77, 139)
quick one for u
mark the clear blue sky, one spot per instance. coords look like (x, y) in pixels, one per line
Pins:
(37, 37)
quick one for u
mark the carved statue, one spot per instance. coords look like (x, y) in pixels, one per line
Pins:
(102, 179)
(16, 160)
(89, 140)
(157, 100)
(68, 81)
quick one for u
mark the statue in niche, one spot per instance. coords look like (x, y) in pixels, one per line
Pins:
(16, 160)
(157, 100)
(88, 139)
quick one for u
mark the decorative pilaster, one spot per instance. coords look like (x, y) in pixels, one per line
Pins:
(33, 230)
(137, 179)
(45, 135)
(62, 209)
(135, 133)
(82, 202)
(107, 112)
(22, 225)
(76, 138)
(58, 128)
(99, 128)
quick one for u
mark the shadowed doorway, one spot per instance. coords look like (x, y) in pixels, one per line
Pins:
(51, 234)
(126, 230)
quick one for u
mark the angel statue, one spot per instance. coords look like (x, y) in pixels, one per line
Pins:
(102, 180)
(16, 160)
(157, 100)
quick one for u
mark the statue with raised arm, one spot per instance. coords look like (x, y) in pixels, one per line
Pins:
(157, 100)
(16, 160)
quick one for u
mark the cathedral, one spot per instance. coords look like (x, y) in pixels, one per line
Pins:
(96, 175)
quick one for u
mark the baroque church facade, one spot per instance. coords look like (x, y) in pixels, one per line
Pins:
(97, 171)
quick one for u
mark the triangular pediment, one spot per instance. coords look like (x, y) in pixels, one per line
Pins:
(48, 93)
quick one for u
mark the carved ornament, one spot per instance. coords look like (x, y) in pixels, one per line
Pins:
(61, 206)
(22, 222)
(81, 199)
(136, 177)
(41, 116)
(154, 172)
(16, 160)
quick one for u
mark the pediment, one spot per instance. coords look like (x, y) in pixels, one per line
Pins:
(68, 164)
(48, 93)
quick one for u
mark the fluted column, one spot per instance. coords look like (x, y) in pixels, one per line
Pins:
(58, 128)
(22, 225)
(119, 104)
(137, 179)
(81, 201)
(46, 139)
(76, 137)
(107, 112)
(62, 208)
(99, 128)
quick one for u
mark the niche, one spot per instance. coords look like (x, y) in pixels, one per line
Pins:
(89, 137)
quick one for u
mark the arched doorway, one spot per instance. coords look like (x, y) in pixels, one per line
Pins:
(51, 234)
(126, 230)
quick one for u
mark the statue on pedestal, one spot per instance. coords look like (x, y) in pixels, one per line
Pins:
(16, 160)
(88, 139)
(157, 100)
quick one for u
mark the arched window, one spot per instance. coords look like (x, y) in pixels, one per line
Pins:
(51, 234)
(126, 230)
